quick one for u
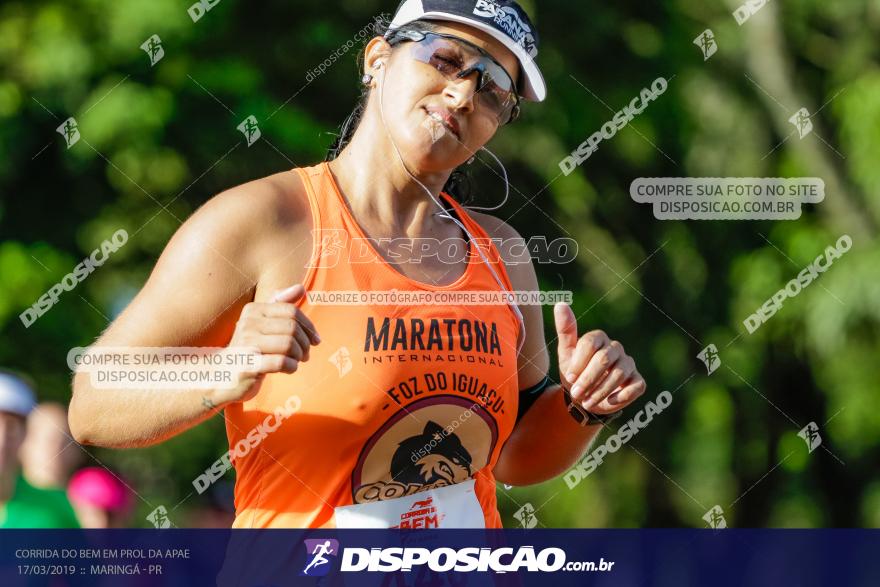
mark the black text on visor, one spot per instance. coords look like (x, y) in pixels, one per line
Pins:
(495, 89)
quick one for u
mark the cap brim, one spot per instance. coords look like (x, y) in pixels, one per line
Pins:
(534, 88)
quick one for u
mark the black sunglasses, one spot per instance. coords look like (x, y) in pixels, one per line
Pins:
(496, 90)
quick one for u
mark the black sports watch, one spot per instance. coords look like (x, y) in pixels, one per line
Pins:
(582, 416)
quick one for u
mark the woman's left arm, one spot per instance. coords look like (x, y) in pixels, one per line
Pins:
(603, 379)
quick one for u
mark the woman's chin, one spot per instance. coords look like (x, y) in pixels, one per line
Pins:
(438, 162)
(433, 157)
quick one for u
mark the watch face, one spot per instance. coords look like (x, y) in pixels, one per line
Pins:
(576, 412)
(585, 418)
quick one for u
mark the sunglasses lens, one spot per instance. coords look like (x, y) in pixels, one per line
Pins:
(499, 79)
(495, 92)
(440, 54)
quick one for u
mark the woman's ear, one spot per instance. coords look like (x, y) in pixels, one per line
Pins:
(376, 54)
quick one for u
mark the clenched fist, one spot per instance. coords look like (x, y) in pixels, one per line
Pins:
(282, 334)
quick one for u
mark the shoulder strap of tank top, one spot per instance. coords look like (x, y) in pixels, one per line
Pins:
(484, 240)
(313, 182)
(495, 264)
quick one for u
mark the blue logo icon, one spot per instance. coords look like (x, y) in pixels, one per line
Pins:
(319, 549)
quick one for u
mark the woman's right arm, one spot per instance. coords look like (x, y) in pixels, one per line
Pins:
(200, 294)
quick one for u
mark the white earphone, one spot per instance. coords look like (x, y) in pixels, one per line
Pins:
(443, 213)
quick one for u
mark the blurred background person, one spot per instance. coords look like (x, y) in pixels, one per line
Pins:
(100, 498)
(21, 504)
(49, 454)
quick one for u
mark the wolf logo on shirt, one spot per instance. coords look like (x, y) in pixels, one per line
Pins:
(436, 457)
(434, 442)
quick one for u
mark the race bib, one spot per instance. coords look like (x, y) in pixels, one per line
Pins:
(453, 506)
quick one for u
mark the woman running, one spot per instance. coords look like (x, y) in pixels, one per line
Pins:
(375, 415)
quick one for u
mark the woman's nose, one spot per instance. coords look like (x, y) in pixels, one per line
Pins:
(462, 90)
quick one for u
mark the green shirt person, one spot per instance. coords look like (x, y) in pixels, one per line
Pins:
(32, 507)
(21, 504)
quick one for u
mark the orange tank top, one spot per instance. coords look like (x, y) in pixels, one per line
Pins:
(402, 410)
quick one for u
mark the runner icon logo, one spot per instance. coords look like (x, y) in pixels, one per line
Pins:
(70, 131)
(715, 518)
(801, 121)
(710, 358)
(341, 359)
(153, 48)
(250, 129)
(810, 434)
(706, 42)
(318, 552)
(526, 516)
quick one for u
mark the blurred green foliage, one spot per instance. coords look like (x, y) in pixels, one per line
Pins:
(167, 134)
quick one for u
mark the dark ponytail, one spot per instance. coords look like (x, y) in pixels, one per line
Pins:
(458, 185)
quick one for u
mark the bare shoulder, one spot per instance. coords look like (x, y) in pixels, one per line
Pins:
(494, 226)
(260, 206)
(214, 264)
(517, 260)
(244, 222)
